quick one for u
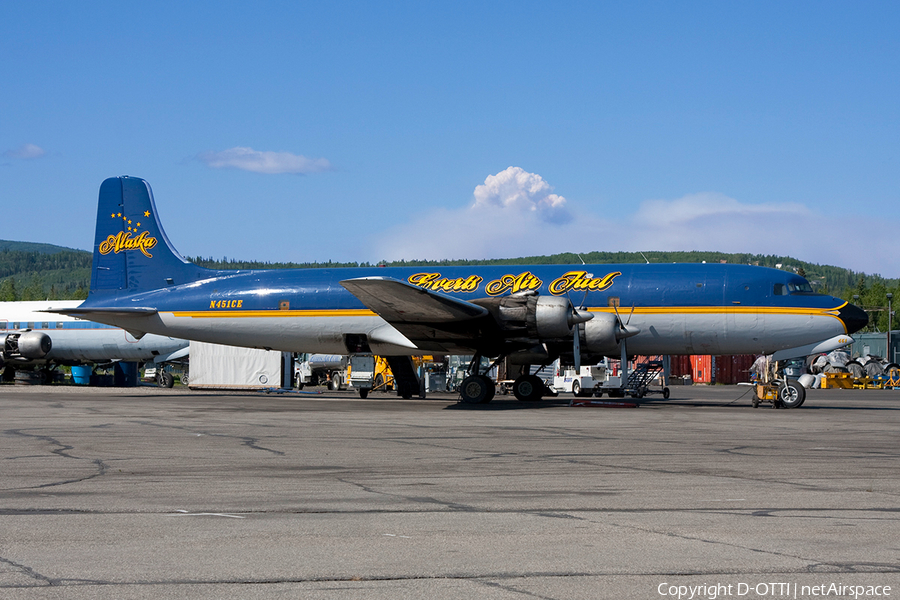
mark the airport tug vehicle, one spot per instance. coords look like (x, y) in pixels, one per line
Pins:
(772, 385)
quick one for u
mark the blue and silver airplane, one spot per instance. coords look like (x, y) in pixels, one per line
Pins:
(528, 314)
(30, 338)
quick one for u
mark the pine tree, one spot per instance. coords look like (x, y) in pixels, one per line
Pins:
(8, 291)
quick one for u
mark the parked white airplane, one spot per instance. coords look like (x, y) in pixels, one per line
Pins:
(30, 339)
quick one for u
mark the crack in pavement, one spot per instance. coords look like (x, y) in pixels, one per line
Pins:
(811, 563)
(62, 451)
(250, 442)
(28, 571)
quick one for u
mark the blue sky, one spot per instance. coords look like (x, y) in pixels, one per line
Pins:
(367, 131)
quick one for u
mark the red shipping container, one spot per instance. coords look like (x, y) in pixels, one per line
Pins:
(701, 368)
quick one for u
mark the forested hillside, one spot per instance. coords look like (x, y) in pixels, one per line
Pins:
(43, 272)
(30, 271)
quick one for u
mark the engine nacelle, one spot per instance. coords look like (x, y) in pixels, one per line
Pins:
(553, 317)
(533, 317)
(601, 335)
(30, 344)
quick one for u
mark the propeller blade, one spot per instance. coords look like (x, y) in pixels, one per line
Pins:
(576, 348)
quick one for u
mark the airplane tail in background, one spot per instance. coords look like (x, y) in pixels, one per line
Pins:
(131, 250)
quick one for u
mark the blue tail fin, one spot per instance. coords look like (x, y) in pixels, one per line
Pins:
(131, 250)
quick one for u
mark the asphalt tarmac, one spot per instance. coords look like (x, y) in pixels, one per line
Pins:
(152, 493)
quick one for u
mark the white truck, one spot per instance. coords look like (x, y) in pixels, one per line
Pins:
(362, 373)
(322, 369)
(591, 379)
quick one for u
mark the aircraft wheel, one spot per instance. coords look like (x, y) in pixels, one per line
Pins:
(892, 371)
(363, 393)
(166, 380)
(791, 394)
(665, 393)
(528, 388)
(476, 389)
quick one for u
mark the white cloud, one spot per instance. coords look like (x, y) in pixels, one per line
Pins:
(516, 190)
(514, 214)
(248, 159)
(25, 151)
(693, 209)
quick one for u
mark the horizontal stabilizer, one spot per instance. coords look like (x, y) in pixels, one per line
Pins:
(398, 302)
(86, 313)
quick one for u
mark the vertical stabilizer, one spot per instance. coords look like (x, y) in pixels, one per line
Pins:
(131, 250)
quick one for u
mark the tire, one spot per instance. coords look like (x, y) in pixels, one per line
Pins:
(665, 393)
(791, 395)
(476, 389)
(185, 380)
(167, 380)
(363, 393)
(528, 388)
(856, 369)
(576, 388)
(335, 384)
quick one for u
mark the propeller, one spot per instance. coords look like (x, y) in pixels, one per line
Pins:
(575, 321)
(625, 330)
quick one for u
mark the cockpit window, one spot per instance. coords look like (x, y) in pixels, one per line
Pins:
(800, 287)
(780, 290)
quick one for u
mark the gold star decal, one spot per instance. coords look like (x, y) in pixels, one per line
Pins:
(113, 215)
(129, 221)
(138, 224)
(146, 213)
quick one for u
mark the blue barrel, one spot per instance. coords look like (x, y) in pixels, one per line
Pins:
(125, 374)
(82, 374)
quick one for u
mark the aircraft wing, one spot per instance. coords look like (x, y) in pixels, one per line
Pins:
(399, 302)
(429, 320)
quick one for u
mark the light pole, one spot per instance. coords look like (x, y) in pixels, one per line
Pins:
(890, 324)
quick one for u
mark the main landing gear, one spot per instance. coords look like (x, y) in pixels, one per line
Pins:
(479, 389)
(528, 388)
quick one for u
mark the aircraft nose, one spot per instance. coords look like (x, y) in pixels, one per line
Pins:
(854, 318)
